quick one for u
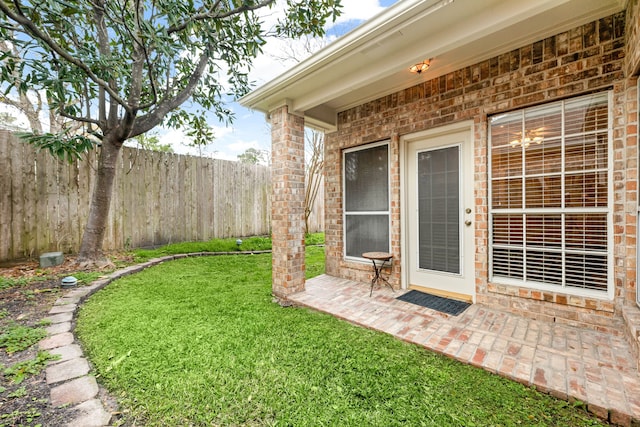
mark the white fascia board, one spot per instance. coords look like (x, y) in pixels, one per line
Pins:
(461, 32)
(370, 30)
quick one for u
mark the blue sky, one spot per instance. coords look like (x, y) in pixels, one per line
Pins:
(250, 129)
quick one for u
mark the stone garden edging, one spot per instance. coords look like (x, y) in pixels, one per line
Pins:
(69, 378)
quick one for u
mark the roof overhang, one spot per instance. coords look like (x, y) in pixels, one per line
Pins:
(374, 59)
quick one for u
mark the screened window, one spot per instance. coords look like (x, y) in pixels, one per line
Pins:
(550, 195)
(366, 199)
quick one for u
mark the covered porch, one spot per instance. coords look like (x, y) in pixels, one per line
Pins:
(360, 91)
(576, 364)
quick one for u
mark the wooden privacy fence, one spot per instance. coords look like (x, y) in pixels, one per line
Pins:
(158, 198)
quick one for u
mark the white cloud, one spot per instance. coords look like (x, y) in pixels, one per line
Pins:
(240, 146)
(359, 10)
(176, 138)
(221, 132)
(179, 141)
(231, 150)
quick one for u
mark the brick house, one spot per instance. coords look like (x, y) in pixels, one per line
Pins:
(504, 174)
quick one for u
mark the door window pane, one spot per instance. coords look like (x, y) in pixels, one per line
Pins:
(439, 209)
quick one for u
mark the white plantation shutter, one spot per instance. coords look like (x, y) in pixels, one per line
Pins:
(549, 203)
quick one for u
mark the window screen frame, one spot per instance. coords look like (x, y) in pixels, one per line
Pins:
(563, 210)
(346, 213)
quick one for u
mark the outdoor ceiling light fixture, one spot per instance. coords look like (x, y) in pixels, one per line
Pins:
(420, 67)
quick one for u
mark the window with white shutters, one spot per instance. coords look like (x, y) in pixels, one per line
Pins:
(549, 207)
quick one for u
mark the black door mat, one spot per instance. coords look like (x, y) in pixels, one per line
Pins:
(434, 302)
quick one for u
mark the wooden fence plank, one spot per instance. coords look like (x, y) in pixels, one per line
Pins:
(229, 217)
(158, 198)
(132, 196)
(61, 226)
(50, 207)
(73, 211)
(113, 233)
(180, 213)
(214, 197)
(18, 158)
(86, 177)
(155, 196)
(194, 197)
(170, 201)
(208, 199)
(146, 189)
(6, 195)
(190, 231)
(200, 197)
(157, 176)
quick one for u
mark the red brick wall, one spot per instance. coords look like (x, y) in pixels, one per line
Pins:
(632, 68)
(633, 38)
(287, 203)
(586, 59)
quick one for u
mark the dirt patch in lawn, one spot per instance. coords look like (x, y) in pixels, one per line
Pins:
(27, 293)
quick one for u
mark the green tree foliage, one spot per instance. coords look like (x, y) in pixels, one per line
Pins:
(123, 67)
(30, 103)
(7, 120)
(151, 142)
(253, 156)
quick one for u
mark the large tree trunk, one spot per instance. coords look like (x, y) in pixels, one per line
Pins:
(91, 247)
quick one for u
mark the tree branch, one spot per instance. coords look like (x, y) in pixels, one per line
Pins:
(35, 32)
(137, 71)
(153, 118)
(79, 118)
(142, 48)
(23, 104)
(212, 14)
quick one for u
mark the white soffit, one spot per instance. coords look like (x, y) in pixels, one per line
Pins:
(373, 60)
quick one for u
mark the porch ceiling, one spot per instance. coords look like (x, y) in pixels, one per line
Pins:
(373, 60)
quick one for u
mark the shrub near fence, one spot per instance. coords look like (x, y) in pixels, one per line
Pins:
(158, 198)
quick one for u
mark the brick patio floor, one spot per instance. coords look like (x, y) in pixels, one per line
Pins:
(565, 361)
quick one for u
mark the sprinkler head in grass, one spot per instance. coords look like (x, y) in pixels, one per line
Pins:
(69, 282)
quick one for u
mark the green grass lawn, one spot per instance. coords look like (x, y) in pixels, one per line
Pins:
(259, 243)
(198, 341)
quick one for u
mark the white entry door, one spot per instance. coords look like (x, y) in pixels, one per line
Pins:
(440, 201)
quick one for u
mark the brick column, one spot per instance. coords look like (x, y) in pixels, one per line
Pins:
(287, 202)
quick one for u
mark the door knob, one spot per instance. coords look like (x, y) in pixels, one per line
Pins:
(467, 223)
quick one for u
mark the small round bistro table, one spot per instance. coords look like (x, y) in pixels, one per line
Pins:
(383, 258)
